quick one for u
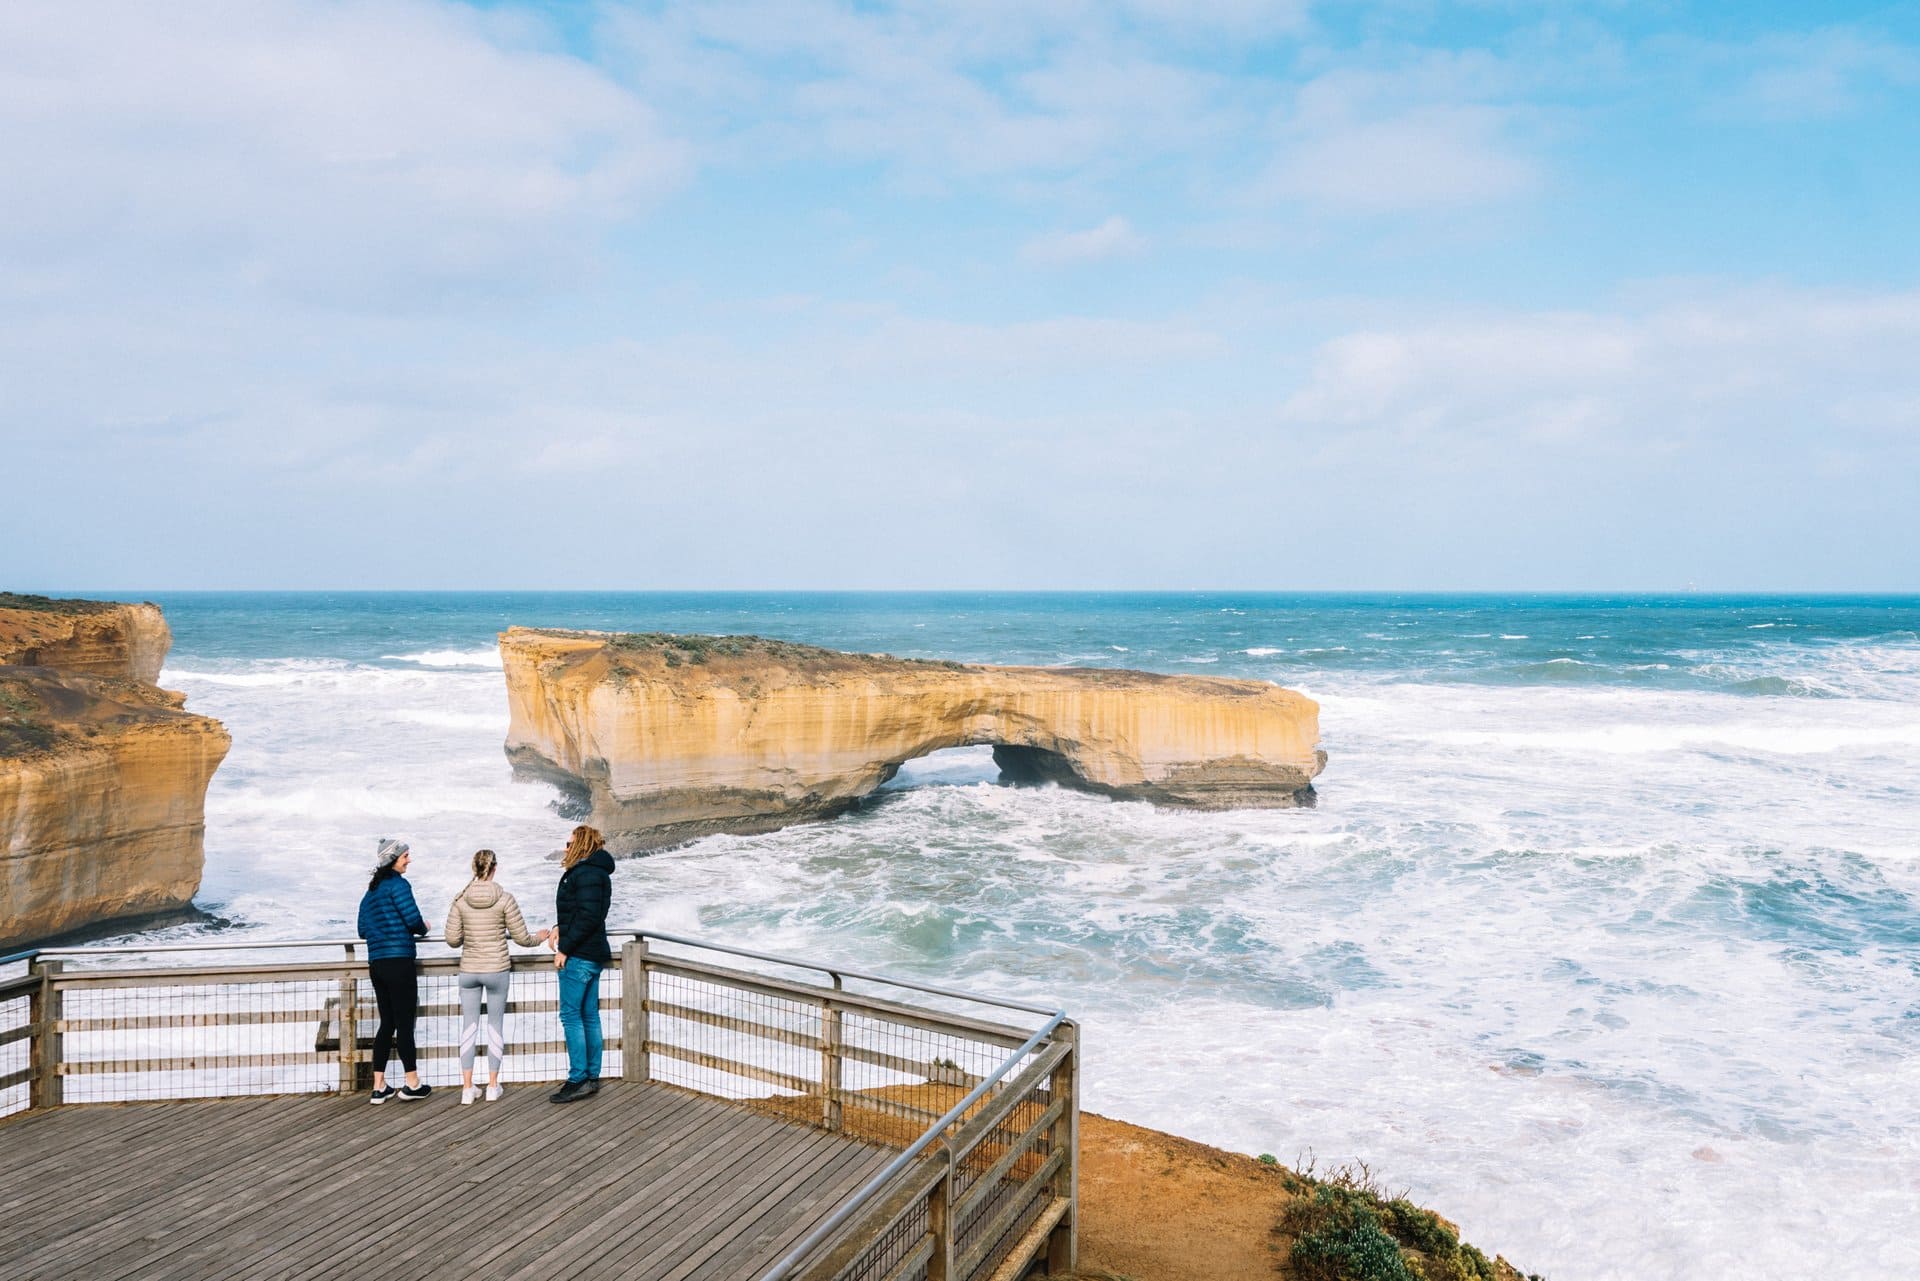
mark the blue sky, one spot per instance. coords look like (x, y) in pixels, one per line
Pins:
(414, 293)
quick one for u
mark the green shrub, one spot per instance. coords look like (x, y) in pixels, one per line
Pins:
(1339, 1238)
(1347, 1231)
(1268, 1158)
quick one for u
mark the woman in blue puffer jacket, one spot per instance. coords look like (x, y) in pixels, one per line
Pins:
(389, 922)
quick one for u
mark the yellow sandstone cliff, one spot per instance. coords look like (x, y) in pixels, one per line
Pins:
(103, 776)
(666, 738)
(96, 637)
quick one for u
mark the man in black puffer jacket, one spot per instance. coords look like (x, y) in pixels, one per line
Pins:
(580, 951)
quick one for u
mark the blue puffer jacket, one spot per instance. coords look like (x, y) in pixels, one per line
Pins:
(389, 919)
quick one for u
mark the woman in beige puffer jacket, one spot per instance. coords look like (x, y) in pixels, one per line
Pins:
(482, 918)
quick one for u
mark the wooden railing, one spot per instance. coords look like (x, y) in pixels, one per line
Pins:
(983, 1111)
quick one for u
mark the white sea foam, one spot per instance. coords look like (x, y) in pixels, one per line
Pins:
(1514, 636)
(496, 722)
(1263, 651)
(489, 657)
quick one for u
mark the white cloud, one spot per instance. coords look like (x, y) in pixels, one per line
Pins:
(947, 92)
(1431, 157)
(1424, 131)
(1726, 370)
(368, 152)
(1114, 238)
(1811, 75)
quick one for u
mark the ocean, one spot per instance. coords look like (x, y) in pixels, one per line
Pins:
(1602, 939)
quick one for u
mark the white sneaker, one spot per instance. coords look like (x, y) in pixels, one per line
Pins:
(493, 1093)
(468, 1095)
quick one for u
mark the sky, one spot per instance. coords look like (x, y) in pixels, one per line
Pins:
(1151, 294)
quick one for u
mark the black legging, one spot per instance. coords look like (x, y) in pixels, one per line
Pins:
(398, 998)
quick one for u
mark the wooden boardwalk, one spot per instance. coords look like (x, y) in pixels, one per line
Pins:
(643, 1183)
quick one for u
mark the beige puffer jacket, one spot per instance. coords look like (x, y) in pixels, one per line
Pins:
(478, 923)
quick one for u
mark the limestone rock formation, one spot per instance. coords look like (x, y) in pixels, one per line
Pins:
(102, 638)
(666, 738)
(103, 777)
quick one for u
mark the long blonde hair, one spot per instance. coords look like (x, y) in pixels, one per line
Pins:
(584, 841)
(483, 864)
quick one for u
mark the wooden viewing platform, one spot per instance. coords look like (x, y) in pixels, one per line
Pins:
(643, 1182)
(751, 1126)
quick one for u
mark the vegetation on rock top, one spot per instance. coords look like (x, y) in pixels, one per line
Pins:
(23, 732)
(677, 649)
(51, 605)
(1345, 1229)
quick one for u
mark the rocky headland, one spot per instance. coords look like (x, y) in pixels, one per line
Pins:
(103, 775)
(93, 637)
(662, 738)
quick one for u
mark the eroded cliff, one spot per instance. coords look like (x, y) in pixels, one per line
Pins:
(103, 777)
(666, 738)
(99, 638)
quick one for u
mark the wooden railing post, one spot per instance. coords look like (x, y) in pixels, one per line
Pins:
(45, 1009)
(636, 1061)
(831, 1115)
(940, 1224)
(1063, 1243)
(349, 1020)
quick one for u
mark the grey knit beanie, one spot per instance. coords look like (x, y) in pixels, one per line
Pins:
(390, 852)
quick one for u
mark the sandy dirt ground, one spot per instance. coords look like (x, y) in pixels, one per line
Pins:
(1157, 1207)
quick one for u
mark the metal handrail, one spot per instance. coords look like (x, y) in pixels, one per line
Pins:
(834, 971)
(873, 1187)
(841, 972)
(848, 1208)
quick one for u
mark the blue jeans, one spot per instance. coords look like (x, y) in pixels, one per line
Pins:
(580, 1017)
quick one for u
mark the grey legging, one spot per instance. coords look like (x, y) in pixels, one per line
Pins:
(495, 986)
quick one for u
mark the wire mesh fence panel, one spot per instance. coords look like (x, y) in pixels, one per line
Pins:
(533, 1041)
(902, 1251)
(897, 1078)
(193, 1039)
(734, 1043)
(16, 1056)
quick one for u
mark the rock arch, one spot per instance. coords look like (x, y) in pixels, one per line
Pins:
(661, 739)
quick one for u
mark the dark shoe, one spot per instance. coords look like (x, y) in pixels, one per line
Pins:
(590, 1086)
(569, 1092)
(411, 1093)
(382, 1094)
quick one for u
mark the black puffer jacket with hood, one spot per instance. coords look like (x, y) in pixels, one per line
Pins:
(580, 906)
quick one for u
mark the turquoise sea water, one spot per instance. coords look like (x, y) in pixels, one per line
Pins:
(1605, 927)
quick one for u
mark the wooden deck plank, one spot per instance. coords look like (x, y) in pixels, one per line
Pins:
(377, 1182)
(649, 1165)
(390, 1197)
(499, 1205)
(33, 1149)
(248, 1172)
(770, 1236)
(724, 1154)
(645, 1180)
(76, 1199)
(744, 1201)
(242, 1167)
(667, 1225)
